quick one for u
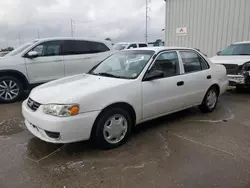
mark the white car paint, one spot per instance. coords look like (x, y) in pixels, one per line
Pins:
(93, 93)
(238, 60)
(47, 68)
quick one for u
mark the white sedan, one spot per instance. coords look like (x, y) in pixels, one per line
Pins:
(128, 88)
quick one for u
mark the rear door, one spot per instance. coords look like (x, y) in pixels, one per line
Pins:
(80, 56)
(48, 65)
(197, 77)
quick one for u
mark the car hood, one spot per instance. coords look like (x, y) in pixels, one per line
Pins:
(237, 60)
(69, 89)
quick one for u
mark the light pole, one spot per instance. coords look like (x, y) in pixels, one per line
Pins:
(147, 18)
(19, 39)
(71, 27)
(38, 34)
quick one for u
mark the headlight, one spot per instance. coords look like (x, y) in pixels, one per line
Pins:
(61, 110)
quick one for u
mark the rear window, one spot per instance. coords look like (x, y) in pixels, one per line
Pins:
(97, 47)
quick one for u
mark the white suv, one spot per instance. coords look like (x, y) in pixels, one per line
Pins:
(129, 45)
(44, 60)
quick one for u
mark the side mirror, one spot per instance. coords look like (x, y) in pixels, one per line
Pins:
(154, 75)
(32, 54)
(218, 53)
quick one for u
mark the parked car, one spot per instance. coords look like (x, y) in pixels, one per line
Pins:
(129, 45)
(128, 88)
(236, 59)
(44, 60)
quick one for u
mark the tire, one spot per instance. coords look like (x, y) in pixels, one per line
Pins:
(208, 106)
(13, 87)
(240, 89)
(101, 132)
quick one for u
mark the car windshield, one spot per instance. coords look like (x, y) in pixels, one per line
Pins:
(125, 64)
(237, 49)
(20, 48)
(120, 46)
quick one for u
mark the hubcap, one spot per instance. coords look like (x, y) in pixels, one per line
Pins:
(8, 90)
(115, 129)
(211, 99)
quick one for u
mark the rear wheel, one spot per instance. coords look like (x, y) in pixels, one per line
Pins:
(210, 100)
(11, 89)
(112, 128)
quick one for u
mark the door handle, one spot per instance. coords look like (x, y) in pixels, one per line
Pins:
(180, 83)
(209, 77)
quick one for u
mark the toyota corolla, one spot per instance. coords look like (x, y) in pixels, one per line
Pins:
(127, 88)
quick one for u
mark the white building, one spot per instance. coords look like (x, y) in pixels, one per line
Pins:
(209, 25)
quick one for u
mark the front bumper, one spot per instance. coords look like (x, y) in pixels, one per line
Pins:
(70, 129)
(236, 80)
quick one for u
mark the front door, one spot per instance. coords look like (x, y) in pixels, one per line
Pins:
(161, 96)
(48, 65)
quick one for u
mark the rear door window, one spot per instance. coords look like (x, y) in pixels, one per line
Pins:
(192, 62)
(143, 45)
(75, 47)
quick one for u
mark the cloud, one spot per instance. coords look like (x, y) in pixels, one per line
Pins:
(120, 20)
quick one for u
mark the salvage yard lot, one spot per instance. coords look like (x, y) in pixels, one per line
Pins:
(185, 149)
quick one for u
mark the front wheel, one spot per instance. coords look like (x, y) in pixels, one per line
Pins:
(11, 89)
(210, 100)
(112, 128)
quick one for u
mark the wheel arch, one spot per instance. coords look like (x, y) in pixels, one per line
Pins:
(17, 74)
(217, 88)
(213, 85)
(123, 105)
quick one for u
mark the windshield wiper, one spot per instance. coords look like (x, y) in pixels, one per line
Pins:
(108, 75)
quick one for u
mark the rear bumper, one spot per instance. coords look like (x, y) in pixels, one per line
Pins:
(223, 86)
(70, 129)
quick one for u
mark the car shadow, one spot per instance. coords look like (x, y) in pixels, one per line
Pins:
(37, 149)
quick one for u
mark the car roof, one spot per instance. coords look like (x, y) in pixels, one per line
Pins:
(71, 38)
(108, 43)
(242, 42)
(131, 43)
(161, 48)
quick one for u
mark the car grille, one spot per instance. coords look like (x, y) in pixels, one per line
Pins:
(33, 105)
(232, 68)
